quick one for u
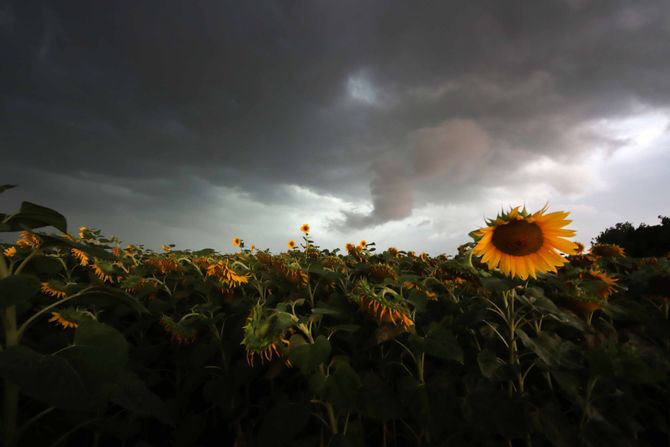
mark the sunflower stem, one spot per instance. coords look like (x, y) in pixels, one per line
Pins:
(25, 261)
(11, 402)
(4, 270)
(29, 321)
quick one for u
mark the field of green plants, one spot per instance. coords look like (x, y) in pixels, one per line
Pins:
(112, 345)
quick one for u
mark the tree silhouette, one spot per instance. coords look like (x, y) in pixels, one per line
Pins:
(645, 240)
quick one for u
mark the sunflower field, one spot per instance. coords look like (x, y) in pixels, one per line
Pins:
(520, 339)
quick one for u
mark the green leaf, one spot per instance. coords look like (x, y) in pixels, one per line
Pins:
(32, 216)
(440, 343)
(378, 401)
(204, 252)
(309, 356)
(63, 242)
(108, 345)
(48, 265)
(490, 364)
(45, 378)
(4, 188)
(552, 349)
(497, 284)
(109, 296)
(18, 288)
(345, 327)
(324, 311)
(341, 387)
(548, 307)
(133, 395)
(283, 423)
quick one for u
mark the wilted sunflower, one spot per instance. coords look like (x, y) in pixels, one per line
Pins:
(304, 228)
(54, 288)
(29, 239)
(265, 333)
(607, 250)
(58, 318)
(606, 285)
(524, 244)
(600, 284)
(81, 255)
(386, 309)
(103, 271)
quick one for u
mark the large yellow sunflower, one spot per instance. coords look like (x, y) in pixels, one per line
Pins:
(524, 244)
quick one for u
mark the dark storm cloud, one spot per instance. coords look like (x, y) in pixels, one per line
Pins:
(404, 102)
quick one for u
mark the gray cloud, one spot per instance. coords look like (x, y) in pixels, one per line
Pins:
(394, 103)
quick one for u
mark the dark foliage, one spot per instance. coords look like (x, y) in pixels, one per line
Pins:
(645, 240)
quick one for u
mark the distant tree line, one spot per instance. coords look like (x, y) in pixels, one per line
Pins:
(645, 240)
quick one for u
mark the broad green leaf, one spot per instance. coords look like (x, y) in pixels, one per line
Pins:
(4, 188)
(204, 252)
(46, 378)
(108, 345)
(379, 401)
(440, 343)
(109, 296)
(497, 284)
(48, 265)
(283, 423)
(552, 349)
(490, 364)
(324, 311)
(309, 356)
(133, 395)
(63, 242)
(341, 387)
(18, 288)
(32, 216)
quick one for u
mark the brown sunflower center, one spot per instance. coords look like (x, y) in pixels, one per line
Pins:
(518, 238)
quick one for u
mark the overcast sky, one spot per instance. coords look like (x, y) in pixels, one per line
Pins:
(405, 123)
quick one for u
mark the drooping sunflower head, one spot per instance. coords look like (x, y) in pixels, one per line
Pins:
(349, 247)
(59, 318)
(265, 333)
(225, 273)
(103, 270)
(81, 256)
(166, 248)
(70, 317)
(54, 287)
(604, 284)
(29, 240)
(524, 244)
(382, 271)
(607, 250)
(304, 228)
(386, 308)
(181, 332)
(579, 248)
